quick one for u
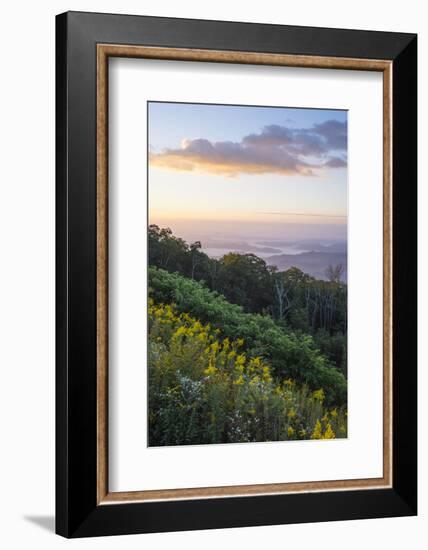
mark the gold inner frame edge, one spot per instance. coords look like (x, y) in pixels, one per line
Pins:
(104, 51)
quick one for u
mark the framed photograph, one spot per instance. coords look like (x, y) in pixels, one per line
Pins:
(236, 274)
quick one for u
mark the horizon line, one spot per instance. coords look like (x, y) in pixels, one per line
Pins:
(342, 216)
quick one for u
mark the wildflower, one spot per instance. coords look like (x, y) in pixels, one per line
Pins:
(181, 331)
(329, 433)
(239, 381)
(210, 370)
(266, 374)
(197, 326)
(291, 413)
(319, 395)
(215, 347)
(240, 359)
(317, 433)
(290, 431)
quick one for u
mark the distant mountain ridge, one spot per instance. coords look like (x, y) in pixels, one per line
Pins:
(310, 245)
(313, 263)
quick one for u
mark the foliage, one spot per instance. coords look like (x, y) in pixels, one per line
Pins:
(292, 298)
(205, 388)
(290, 354)
(333, 347)
(244, 279)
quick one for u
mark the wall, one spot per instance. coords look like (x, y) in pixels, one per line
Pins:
(27, 271)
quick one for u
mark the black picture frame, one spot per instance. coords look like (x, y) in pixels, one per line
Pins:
(77, 511)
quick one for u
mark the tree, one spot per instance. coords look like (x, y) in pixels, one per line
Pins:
(282, 293)
(334, 273)
(166, 250)
(245, 280)
(290, 290)
(194, 254)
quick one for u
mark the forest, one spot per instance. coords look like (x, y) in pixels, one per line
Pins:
(240, 351)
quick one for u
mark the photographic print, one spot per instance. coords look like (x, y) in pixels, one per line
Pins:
(208, 352)
(247, 254)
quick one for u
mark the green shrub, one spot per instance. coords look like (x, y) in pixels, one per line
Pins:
(290, 355)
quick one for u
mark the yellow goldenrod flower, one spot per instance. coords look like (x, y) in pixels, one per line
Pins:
(210, 370)
(215, 347)
(317, 433)
(179, 332)
(319, 394)
(329, 433)
(266, 374)
(240, 359)
(239, 381)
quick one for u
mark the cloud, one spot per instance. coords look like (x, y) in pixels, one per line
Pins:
(275, 150)
(336, 162)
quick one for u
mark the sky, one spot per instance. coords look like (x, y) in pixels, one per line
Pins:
(244, 171)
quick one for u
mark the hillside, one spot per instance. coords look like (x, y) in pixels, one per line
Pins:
(290, 354)
(207, 389)
(238, 351)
